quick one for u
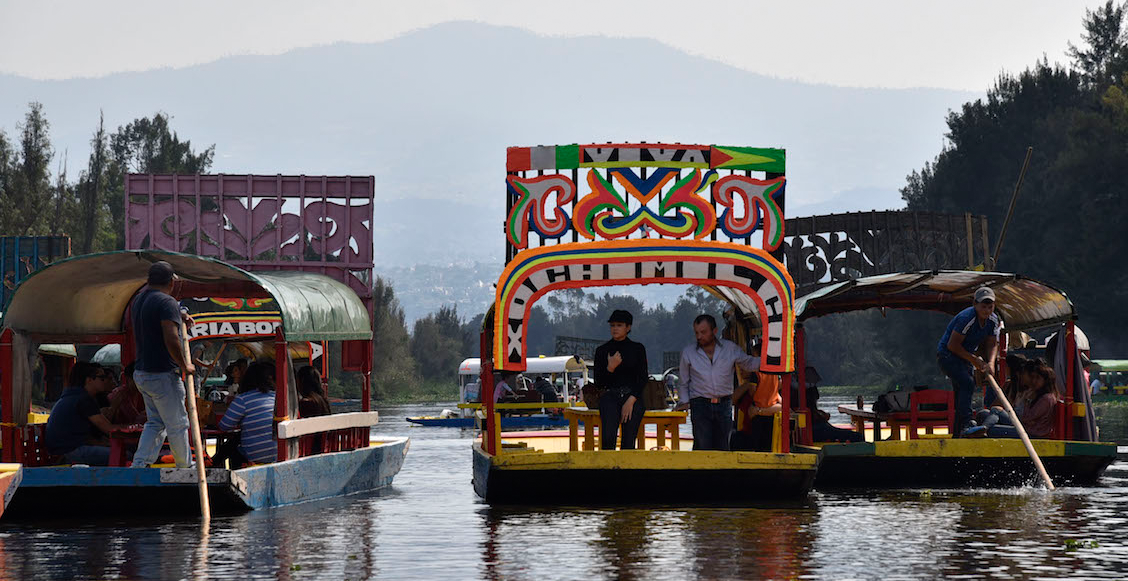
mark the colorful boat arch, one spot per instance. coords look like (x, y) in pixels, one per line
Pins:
(647, 261)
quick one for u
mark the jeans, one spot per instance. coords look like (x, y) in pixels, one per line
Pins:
(164, 397)
(712, 423)
(611, 417)
(998, 424)
(963, 383)
(89, 455)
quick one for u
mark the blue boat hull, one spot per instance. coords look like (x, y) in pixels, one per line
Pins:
(538, 421)
(102, 490)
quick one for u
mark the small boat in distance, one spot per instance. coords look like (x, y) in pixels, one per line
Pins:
(528, 407)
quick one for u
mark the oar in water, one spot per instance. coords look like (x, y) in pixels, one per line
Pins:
(1021, 432)
(194, 422)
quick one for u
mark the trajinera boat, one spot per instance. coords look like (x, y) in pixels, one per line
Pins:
(306, 288)
(558, 239)
(915, 448)
(532, 406)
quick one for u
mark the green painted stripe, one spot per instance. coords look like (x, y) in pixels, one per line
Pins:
(850, 449)
(776, 165)
(1090, 449)
(567, 156)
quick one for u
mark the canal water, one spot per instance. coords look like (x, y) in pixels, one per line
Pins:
(430, 525)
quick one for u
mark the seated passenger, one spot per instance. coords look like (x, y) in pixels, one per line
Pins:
(546, 390)
(253, 412)
(1034, 406)
(502, 388)
(313, 402)
(127, 407)
(759, 402)
(77, 430)
(821, 428)
(1015, 364)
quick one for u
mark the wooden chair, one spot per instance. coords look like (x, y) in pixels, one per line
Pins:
(929, 419)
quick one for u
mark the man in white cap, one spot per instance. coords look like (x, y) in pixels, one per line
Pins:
(156, 331)
(974, 329)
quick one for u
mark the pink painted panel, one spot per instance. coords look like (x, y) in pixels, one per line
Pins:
(258, 221)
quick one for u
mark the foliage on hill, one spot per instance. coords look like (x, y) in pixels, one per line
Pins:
(1067, 226)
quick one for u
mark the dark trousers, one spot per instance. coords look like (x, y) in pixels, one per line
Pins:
(755, 437)
(229, 451)
(963, 383)
(611, 416)
(712, 423)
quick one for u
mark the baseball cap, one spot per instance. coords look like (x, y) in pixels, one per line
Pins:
(621, 316)
(984, 294)
(161, 272)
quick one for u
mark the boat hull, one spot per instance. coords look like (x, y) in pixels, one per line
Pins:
(960, 463)
(641, 476)
(69, 491)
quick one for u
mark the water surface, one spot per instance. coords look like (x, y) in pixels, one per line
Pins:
(430, 525)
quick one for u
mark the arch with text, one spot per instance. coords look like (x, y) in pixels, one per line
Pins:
(538, 271)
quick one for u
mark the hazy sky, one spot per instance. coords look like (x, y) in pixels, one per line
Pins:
(955, 44)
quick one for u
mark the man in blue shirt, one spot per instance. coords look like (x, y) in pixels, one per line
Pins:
(77, 427)
(974, 329)
(156, 332)
(705, 383)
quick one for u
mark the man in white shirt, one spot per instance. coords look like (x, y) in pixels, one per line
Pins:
(705, 384)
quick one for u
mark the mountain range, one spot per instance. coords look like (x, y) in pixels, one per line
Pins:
(430, 115)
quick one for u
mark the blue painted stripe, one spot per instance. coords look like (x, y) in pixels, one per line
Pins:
(92, 476)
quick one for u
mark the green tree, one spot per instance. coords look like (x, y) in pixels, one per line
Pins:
(393, 368)
(436, 344)
(26, 186)
(1104, 54)
(93, 216)
(147, 145)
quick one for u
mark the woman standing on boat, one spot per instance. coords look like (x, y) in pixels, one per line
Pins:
(620, 369)
(973, 329)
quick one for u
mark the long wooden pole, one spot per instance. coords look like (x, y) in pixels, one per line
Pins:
(194, 422)
(1010, 211)
(1021, 432)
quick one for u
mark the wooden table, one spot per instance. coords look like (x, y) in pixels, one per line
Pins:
(664, 421)
(859, 417)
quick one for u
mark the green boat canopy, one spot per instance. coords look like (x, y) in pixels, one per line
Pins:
(86, 296)
(1023, 303)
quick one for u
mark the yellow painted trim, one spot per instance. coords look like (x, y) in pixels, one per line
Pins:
(36, 418)
(655, 460)
(777, 442)
(1078, 409)
(10, 467)
(967, 448)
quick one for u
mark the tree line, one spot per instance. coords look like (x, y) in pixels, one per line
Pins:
(1067, 228)
(90, 209)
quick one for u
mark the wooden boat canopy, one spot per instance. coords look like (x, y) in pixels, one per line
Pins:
(86, 296)
(1023, 303)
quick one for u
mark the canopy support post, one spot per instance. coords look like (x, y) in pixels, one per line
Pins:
(806, 433)
(1070, 371)
(281, 358)
(486, 393)
(7, 415)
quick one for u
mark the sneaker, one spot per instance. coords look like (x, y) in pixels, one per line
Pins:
(975, 432)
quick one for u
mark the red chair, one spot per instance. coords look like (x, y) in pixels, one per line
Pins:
(929, 419)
